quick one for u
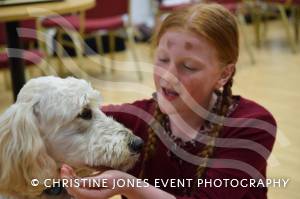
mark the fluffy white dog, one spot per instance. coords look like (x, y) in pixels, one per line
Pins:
(57, 121)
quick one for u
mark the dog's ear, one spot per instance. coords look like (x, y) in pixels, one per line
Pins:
(23, 155)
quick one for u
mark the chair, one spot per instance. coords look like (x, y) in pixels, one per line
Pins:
(281, 6)
(236, 7)
(106, 16)
(293, 5)
(31, 57)
(32, 39)
(296, 14)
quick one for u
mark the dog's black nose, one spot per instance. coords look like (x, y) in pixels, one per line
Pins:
(136, 145)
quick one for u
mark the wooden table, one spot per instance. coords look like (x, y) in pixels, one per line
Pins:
(12, 14)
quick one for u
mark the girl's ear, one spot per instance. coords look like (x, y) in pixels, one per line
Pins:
(226, 74)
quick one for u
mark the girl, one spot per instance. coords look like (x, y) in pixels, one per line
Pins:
(193, 127)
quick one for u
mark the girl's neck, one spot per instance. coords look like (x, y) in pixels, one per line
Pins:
(186, 125)
(186, 129)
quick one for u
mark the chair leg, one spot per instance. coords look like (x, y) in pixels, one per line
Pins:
(285, 22)
(131, 43)
(99, 45)
(60, 52)
(242, 24)
(265, 28)
(6, 79)
(30, 72)
(256, 17)
(45, 66)
(112, 43)
(79, 48)
(49, 67)
(78, 44)
(296, 11)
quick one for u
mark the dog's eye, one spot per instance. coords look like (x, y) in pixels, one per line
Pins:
(86, 114)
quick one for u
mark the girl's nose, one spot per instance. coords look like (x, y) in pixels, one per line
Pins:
(169, 74)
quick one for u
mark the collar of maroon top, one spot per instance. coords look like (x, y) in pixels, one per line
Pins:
(208, 125)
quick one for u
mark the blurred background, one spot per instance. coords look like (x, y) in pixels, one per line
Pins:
(109, 45)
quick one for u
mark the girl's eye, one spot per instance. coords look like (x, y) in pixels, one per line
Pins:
(188, 67)
(163, 60)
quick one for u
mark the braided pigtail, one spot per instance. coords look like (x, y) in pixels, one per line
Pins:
(222, 109)
(149, 149)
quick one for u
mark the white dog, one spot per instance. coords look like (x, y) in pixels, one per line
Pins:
(57, 121)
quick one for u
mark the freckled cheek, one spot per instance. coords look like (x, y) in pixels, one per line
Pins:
(192, 89)
(195, 88)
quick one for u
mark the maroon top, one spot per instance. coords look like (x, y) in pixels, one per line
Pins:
(240, 153)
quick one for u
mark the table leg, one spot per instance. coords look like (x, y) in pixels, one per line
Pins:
(16, 61)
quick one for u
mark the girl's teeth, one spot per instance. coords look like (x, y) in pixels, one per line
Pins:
(168, 92)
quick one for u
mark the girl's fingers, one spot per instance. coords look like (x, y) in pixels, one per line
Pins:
(68, 170)
(86, 192)
(100, 180)
(95, 182)
(64, 173)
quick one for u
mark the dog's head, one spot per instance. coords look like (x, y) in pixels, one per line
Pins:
(58, 121)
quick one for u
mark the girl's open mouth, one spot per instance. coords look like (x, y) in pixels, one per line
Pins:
(169, 94)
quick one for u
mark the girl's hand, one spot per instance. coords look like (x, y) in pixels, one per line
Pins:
(110, 189)
(85, 192)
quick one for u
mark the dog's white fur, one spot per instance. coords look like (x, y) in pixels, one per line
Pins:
(44, 129)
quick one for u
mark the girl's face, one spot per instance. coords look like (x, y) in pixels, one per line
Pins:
(186, 66)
